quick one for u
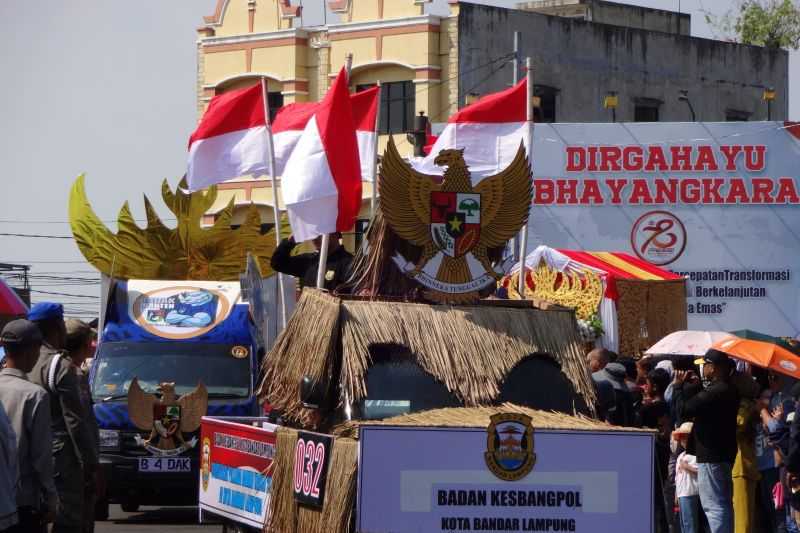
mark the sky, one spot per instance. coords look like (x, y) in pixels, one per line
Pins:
(107, 88)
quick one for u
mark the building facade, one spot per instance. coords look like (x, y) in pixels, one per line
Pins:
(644, 57)
(582, 52)
(393, 42)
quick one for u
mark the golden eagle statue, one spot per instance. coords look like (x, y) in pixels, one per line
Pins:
(454, 218)
(166, 418)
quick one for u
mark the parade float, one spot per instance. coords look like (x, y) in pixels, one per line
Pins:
(622, 303)
(410, 400)
(178, 339)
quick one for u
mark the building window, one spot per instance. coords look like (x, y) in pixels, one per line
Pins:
(275, 101)
(398, 101)
(274, 98)
(362, 225)
(735, 115)
(545, 111)
(646, 110)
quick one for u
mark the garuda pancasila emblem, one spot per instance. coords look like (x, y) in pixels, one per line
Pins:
(455, 223)
(167, 418)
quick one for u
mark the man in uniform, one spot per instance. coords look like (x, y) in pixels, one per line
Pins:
(304, 266)
(80, 346)
(72, 437)
(28, 408)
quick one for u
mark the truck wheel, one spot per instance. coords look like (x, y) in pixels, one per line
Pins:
(130, 507)
(101, 510)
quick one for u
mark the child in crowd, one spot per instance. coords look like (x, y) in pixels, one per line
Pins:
(686, 491)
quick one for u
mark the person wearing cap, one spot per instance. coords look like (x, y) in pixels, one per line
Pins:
(621, 413)
(596, 361)
(80, 346)
(28, 408)
(72, 436)
(304, 266)
(713, 441)
(686, 491)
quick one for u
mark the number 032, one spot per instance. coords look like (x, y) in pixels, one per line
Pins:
(308, 460)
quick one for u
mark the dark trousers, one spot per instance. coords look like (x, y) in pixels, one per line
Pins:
(30, 521)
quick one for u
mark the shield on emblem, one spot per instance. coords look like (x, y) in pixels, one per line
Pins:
(455, 221)
(169, 416)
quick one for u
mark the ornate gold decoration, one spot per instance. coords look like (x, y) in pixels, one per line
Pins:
(167, 418)
(187, 252)
(582, 291)
(474, 220)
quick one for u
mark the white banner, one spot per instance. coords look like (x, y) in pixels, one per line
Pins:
(717, 202)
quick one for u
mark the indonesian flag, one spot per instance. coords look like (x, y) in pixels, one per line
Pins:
(365, 116)
(489, 131)
(230, 140)
(291, 120)
(322, 179)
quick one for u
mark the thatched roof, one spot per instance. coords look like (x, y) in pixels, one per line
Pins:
(479, 417)
(470, 349)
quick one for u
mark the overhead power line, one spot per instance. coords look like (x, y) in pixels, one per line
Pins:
(65, 294)
(35, 236)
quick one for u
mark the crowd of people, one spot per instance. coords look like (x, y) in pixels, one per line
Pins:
(727, 439)
(49, 439)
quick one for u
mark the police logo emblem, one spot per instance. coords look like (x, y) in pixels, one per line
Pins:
(205, 463)
(509, 446)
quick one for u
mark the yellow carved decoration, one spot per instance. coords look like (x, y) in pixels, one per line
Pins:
(187, 252)
(583, 291)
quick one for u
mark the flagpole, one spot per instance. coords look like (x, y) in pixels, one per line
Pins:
(523, 234)
(372, 200)
(515, 71)
(326, 239)
(275, 209)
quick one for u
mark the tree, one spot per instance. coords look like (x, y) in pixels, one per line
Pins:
(769, 23)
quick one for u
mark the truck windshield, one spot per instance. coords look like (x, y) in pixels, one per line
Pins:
(186, 364)
(398, 385)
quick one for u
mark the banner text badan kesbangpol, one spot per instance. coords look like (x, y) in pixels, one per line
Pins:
(717, 202)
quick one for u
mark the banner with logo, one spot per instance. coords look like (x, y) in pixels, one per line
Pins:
(507, 477)
(236, 469)
(181, 309)
(716, 202)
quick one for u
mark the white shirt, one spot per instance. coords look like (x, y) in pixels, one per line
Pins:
(686, 476)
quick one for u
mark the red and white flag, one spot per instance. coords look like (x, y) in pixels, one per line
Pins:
(322, 180)
(365, 116)
(489, 131)
(291, 120)
(230, 140)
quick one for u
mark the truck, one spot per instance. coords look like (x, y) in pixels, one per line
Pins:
(169, 352)
(398, 416)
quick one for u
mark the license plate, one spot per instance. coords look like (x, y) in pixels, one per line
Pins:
(165, 464)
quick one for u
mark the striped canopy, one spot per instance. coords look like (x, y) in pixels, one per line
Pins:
(619, 265)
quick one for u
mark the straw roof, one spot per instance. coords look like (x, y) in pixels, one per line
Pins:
(470, 349)
(479, 417)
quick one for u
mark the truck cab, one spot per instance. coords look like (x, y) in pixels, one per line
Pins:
(189, 339)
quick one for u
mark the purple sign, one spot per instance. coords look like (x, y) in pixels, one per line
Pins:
(415, 479)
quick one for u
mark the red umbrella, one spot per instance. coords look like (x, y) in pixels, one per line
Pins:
(10, 302)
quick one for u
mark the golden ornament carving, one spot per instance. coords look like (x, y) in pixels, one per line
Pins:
(582, 291)
(187, 252)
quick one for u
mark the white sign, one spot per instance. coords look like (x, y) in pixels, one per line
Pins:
(716, 202)
(465, 479)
